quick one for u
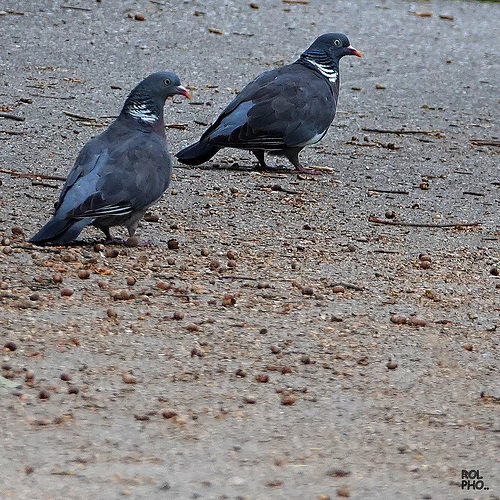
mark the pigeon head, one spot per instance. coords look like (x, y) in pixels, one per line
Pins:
(146, 101)
(326, 51)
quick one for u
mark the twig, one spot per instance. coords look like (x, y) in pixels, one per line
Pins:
(348, 285)
(418, 224)
(179, 126)
(79, 117)
(12, 132)
(400, 131)
(75, 8)
(43, 184)
(38, 248)
(64, 98)
(239, 278)
(389, 191)
(31, 176)
(12, 117)
(472, 193)
(278, 187)
(487, 142)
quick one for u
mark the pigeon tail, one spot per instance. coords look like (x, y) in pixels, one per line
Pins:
(59, 231)
(197, 153)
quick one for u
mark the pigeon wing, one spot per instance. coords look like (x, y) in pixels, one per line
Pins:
(287, 107)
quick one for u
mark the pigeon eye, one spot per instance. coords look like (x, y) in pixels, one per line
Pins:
(337, 43)
(167, 82)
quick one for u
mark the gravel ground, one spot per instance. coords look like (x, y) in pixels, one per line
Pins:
(291, 347)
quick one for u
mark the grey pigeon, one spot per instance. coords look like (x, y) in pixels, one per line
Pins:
(282, 110)
(122, 171)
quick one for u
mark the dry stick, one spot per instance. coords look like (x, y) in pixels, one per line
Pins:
(64, 98)
(79, 117)
(31, 176)
(389, 191)
(12, 132)
(480, 142)
(75, 8)
(400, 131)
(12, 117)
(418, 224)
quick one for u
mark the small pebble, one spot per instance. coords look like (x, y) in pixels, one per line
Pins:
(83, 274)
(73, 389)
(343, 492)
(7, 250)
(132, 241)
(170, 261)
(57, 278)
(391, 365)
(112, 253)
(17, 231)
(214, 264)
(29, 470)
(173, 244)
(192, 327)
(5, 242)
(249, 400)
(305, 359)
(131, 281)
(398, 320)
(69, 257)
(390, 214)
(29, 376)
(288, 400)
(417, 321)
(231, 255)
(11, 346)
(494, 271)
(66, 292)
(66, 377)
(275, 349)
(231, 263)
(263, 331)
(99, 247)
(425, 264)
(128, 378)
(286, 369)
(44, 394)
(308, 290)
(262, 378)
(178, 315)
(468, 347)
(139, 17)
(169, 413)
(205, 252)
(228, 300)
(111, 313)
(338, 289)
(240, 372)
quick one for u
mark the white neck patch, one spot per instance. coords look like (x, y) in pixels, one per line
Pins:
(329, 73)
(142, 112)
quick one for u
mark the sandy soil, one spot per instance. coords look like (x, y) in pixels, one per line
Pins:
(290, 347)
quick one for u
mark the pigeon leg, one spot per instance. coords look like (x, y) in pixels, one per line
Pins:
(259, 154)
(293, 156)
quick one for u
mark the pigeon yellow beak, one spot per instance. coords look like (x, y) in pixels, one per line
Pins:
(353, 52)
(183, 91)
